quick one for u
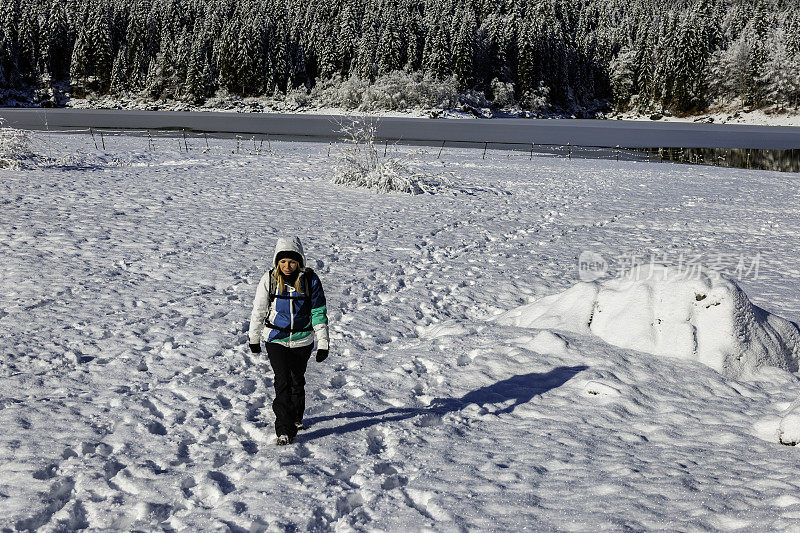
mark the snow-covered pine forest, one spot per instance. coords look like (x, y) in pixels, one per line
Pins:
(577, 56)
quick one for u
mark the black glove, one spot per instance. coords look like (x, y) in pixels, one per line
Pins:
(322, 355)
(255, 348)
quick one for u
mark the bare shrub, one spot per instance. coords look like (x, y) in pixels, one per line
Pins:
(15, 147)
(360, 165)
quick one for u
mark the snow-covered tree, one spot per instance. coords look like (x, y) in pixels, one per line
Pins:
(621, 76)
(436, 56)
(781, 72)
(464, 51)
(390, 54)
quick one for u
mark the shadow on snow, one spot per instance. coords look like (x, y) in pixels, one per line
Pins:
(521, 389)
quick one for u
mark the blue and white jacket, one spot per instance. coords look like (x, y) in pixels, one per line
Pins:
(295, 316)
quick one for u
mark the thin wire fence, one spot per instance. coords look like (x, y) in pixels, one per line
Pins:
(186, 140)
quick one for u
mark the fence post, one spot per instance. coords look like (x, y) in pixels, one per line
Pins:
(440, 150)
(255, 149)
(532, 151)
(93, 139)
(102, 140)
(150, 141)
(185, 143)
(205, 136)
(385, 146)
(269, 144)
(329, 148)
(569, 150)
(617, 152)
(485, 144)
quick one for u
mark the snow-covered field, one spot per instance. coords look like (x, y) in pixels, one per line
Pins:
(130, 402)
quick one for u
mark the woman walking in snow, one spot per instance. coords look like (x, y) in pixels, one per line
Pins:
(289, 306)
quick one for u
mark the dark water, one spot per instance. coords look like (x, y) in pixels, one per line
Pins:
(749, 158)
(780, 160)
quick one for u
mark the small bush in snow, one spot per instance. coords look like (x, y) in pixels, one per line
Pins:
(297, 98)
(503, 93)
(360, 165)
(15, 147)
(537, 100)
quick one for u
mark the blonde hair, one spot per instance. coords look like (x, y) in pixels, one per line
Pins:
(278, 281)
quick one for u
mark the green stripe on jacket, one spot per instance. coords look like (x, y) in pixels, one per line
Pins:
(319, 315)
(294, 336)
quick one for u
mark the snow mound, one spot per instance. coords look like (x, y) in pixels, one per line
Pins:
(696, 314)
(783, 427)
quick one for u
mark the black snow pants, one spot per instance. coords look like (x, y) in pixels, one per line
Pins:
(289, 366)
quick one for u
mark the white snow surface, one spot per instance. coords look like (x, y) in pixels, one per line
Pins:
(696, 314)
(129, 399)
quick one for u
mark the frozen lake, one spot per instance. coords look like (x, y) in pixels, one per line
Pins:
(604, 133)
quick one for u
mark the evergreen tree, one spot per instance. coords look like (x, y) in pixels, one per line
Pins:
(389, 54)
(57, 45)
(622, 76)
(731, 71)
(347, 37)
(119, 78)
(365, 64)
(464, 51)
(98, 46)
(696, 39)
(781, 73)
(279, 54)
(227, 57)
(436, 57)
(198, 72)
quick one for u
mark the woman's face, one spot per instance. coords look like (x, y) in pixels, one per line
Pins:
(288, 266)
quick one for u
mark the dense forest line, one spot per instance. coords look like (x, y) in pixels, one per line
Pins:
(681, 55)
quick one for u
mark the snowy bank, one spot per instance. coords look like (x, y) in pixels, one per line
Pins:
(698, 315)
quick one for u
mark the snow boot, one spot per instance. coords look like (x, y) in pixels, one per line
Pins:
(283, 440)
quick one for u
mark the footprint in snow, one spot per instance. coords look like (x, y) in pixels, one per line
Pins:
(224, 401)
(376, 440)
(47, 472)
(222, 482)
(338, 381)
(393, 478)
(248, 387)
(156, 428)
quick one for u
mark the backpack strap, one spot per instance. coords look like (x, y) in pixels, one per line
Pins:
(307, 273)
(271, 290)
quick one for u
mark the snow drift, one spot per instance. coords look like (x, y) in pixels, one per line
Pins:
(692, 314)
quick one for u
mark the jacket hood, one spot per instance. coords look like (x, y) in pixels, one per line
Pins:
(289, 244)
